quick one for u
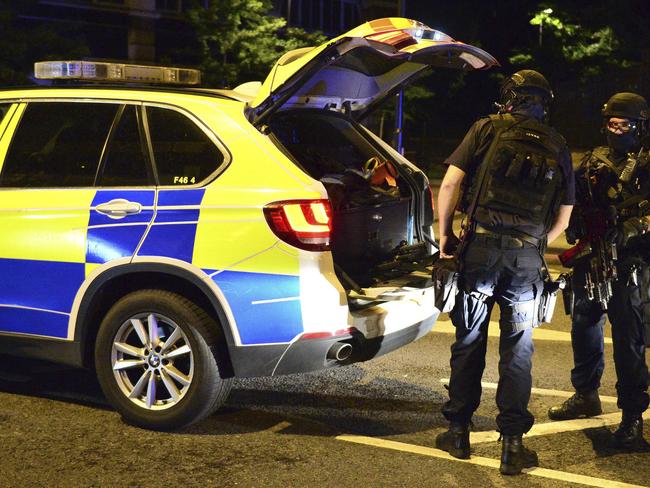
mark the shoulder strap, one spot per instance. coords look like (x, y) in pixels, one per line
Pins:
(502, 121)
(601, 154)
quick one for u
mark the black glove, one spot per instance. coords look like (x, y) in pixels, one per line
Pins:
(623, 233)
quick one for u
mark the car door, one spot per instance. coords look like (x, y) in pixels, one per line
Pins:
(57, 226)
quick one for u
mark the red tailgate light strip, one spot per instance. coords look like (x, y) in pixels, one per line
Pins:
(305, 224)
(325, 335)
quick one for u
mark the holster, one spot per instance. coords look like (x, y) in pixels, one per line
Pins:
(445, 283)
(548, 298)
(569, 296)
(645, 301)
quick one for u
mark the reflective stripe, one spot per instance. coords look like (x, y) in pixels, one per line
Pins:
(276, 316)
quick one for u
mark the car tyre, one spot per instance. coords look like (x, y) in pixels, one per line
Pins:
(159, 360)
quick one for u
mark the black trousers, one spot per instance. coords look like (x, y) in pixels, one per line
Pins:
(627, 311)
(495, 273)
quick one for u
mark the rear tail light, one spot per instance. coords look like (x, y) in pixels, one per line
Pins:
(305, 224)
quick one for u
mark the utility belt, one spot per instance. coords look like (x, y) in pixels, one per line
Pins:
(506, 239)
(546, 297)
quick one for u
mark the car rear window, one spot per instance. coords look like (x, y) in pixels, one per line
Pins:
(183, 153)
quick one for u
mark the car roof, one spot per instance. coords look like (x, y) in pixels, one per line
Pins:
(103, 90)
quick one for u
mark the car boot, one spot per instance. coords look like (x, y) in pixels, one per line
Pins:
(629, 434)
(515, 456)
(455, 441)
(579, 405)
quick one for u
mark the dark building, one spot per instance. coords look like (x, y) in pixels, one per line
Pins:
(333, 16)
(148, 30)
(137, 30)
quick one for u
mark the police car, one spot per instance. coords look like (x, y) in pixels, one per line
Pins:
(175, 237)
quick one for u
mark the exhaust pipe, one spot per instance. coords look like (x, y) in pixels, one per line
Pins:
(339, 351)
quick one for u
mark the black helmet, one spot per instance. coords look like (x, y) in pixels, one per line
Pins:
(628, 106)
(525, 86)
(526, 81)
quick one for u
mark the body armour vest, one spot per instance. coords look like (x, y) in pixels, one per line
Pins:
(523, 181)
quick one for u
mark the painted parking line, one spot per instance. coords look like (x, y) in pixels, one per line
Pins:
(485, 462)
(539, 333)
(540, 391)
(554, 427)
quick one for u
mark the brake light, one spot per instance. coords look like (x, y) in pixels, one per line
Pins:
(305, 224)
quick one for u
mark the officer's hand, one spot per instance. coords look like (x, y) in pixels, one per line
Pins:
(448, 245)
(629, 229)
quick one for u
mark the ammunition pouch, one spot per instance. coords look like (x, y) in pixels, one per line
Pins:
(523, 176)
(445, 283)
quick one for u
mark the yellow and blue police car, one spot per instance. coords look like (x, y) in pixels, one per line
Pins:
(175, 237)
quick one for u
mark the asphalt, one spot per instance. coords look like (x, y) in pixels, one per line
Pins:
(371, 424)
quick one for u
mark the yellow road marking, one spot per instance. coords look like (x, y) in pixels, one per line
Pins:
(557, 427)
(540, 391)
(486, 462)
(279, 426)
(539, 334)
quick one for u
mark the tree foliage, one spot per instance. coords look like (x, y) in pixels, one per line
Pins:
(568, 49)
(240, 40)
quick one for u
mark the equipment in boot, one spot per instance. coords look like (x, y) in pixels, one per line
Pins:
(515, 457)
(629, 434)
(455, 441)
(579, 405)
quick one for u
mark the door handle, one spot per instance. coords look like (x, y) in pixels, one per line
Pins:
(119, 208)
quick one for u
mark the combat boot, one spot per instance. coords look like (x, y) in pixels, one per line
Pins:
(515, 457)
(455, 441)
(579, 405)
(629, 434)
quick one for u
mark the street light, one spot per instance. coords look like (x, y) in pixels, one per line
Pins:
(547, 11)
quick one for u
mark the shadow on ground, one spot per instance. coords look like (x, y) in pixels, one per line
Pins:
(324, 404)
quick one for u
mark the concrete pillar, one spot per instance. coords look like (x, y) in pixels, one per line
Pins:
(142, 35)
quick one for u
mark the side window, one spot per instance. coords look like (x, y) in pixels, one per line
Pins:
(57, 144)
(4, 108)
(124, 162)
(184, 154)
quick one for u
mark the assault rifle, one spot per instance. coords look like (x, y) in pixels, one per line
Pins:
(602, 253)
(602, 256)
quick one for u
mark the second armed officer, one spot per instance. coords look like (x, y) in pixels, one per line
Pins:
(611, 269)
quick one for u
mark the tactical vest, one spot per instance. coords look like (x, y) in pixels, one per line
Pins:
(523, 179)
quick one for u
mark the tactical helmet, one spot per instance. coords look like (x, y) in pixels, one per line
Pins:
(628, 106)
(526, 81)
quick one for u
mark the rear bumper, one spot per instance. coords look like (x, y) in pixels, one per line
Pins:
(302, 356)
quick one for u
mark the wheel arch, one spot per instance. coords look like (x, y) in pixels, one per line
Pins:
(118, 281)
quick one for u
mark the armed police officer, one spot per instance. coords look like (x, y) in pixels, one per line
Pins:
(611, 267)
(517, 186)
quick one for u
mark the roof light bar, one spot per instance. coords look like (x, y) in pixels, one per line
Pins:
(115, 72)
